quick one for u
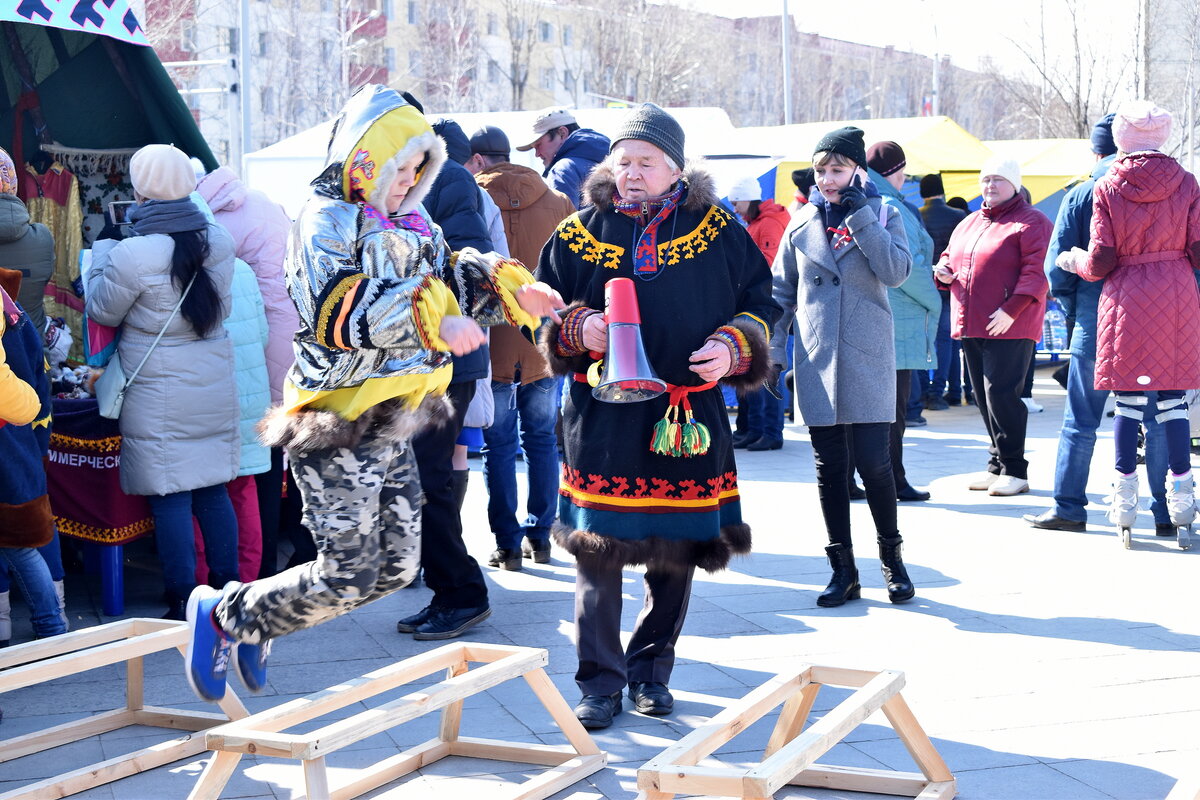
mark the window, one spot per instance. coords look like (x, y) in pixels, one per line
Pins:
(493, 25)
(567, 38)
(268, 100)
(264, 44)
(390, 54)
(385, 8)
(412, 12)
(545, 31)
(187, 37)
(547, 81)
(493, 72)
(326, 51)
(231, 36)
(569, 80)
(414, 63)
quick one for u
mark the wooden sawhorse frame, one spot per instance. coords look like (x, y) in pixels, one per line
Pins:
(790, 755)
(128, 640)
(262, 734)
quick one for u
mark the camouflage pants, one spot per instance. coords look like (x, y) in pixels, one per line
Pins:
(363, 506)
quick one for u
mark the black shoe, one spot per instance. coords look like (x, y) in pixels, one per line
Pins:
(919, 422)
(857, 492)
(411, 623)
(537, 549)
(951, 400)
(1050, 521)
(505, 559)
(1164, 529)
(651, 698)
(177, 610)
(910, 493)
(765, 444)
(935, 403)
(447, 623)
(843, 585)
(899, 586)
(741, 442)
(596, 711)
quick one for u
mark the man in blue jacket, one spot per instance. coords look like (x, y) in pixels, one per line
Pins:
(1085, 404)
(568, 151)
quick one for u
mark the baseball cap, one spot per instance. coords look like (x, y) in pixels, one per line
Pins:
(547, 120)
(490, 141)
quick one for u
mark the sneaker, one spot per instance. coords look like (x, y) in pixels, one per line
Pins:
(209, 649)
(537, 549)
(250, 662)
(982, 483)
(411, 623)
(919, 422)
(1123, 503)
(505, 559)
(447, 623)
(935, 403)
(1007, 486)
(1033, 406)
(1181, 498)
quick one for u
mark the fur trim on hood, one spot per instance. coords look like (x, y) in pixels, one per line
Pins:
(701, 194)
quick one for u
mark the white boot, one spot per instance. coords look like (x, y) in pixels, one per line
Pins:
(1124, 501)
(61, 592)
(5, 620)
(1181, 498)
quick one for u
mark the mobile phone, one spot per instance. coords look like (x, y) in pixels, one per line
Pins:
(118, 211)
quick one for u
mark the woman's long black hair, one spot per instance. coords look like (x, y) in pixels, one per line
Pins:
(202, 306)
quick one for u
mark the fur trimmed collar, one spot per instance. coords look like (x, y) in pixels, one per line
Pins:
(702, 193)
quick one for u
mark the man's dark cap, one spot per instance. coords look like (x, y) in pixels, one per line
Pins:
(490, 141)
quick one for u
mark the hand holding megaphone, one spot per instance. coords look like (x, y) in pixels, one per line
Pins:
(595, 333)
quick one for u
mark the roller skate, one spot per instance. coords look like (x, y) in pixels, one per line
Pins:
(1124, 506)
(1181, 503)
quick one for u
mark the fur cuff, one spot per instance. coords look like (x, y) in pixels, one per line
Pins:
(314, 429)
(26, 524)
(760, 358)
(548, 340)
(711, 556)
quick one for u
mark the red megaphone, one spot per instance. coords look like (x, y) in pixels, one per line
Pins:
(628, 376)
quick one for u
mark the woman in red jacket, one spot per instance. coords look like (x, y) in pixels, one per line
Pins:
(1145, 246)
(994, 265)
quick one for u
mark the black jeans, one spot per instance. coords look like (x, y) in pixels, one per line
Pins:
(897, 428)
(831, 448)
(454, 576)
(998, 368)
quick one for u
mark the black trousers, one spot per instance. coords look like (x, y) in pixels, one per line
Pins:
(606, 668)
(831, 448)
(998, 368)
(897, 428)
(454, 576)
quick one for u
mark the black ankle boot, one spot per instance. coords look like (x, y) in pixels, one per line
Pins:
(899, 585)
(843, 585)
(458, 484)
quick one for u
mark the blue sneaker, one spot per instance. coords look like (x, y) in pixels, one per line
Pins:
(209, 650)
(251, 663)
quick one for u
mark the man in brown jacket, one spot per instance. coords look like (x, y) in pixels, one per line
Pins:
(526, 393)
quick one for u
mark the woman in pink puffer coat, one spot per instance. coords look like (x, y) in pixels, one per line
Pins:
(1146, 246)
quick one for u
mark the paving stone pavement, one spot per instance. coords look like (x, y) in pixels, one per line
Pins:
(1042, 664)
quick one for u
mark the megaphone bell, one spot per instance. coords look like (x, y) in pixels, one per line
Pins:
(628, 376)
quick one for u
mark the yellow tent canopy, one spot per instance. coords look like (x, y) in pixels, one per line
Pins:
(1047, 165)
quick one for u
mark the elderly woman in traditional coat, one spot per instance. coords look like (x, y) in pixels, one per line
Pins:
(179, 423)
(628, 496)
(837, 261)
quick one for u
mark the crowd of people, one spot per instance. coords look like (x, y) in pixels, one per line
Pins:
(433, 297)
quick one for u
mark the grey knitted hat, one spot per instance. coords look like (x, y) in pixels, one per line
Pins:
(649, 123)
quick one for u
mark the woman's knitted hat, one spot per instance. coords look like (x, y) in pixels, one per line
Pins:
(1141, 125)
(649, 123)
(847, 141)
(746, 189)
(1006, 168)
(886, 158)
(161, 172)
(8, 174)
(1102, 136)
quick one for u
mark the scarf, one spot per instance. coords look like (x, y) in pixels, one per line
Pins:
(835, 215)
(645, 247)
(166, 216)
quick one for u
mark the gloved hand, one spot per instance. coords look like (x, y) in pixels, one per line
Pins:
(853, 197)
(771, 384)
(1069, 260)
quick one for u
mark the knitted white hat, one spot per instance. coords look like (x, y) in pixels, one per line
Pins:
(746, 189)
(161, 172)
(1006, 168)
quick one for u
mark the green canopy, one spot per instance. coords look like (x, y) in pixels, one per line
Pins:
(93, 88)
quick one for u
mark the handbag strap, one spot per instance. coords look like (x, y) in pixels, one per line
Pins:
(174, 311)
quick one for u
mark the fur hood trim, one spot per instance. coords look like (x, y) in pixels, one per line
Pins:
(317, 429)
(711, 556)
(701, 194)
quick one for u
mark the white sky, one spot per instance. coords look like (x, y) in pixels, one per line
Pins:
(965, 29)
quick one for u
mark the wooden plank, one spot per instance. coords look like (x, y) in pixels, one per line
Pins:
(61, 666)
(555, 780)
(849, 678)
(134, 694)
(109, 770)
(216, 774)
(766, 778)
(563, 715)
(939, 790)
(176, 719)
(279, 745)
(392, 768)
(65, 733)
(66, 643)
(721, 781)
(727, 724)
(916, 740)
(861, 779)
(452, 714)
(340, 733)
(547, 755)
(791, 720)
(487, 653)
(316, 779)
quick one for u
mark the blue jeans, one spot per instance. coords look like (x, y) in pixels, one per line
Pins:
(32, 577)
(51, 552)
(947, 378)
(1077, 440)
(173, 533)
(764, 415)
(524, 421)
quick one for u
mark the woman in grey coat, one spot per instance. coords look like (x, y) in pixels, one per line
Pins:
(833, 270)
(179, 422)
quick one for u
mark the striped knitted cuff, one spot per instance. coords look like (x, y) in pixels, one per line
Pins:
(739, 348)
(570, 335)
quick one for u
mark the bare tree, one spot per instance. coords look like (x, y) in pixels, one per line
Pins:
(450, 39)
(520, 28)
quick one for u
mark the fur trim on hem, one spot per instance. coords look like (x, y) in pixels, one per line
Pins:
(760, 358)
(28, 524)
(702, 192)
(547, 339)
(711, 556)
(314, 429)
